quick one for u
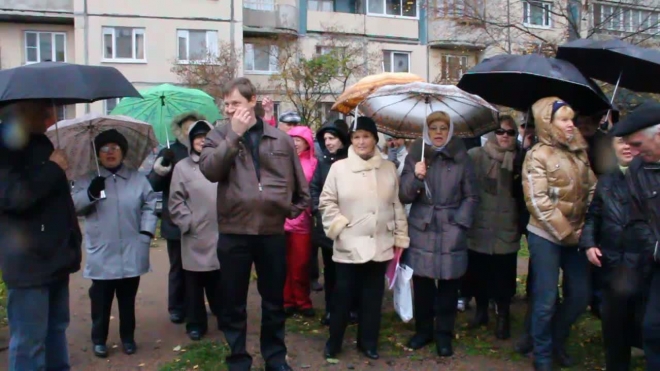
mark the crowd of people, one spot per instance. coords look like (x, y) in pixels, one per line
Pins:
(268, 192)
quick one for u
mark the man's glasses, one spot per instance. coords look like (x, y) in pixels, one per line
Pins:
(509, 132)
(110, 148)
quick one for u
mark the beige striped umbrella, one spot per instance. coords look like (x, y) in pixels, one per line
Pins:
(76, 137)
(359, 91)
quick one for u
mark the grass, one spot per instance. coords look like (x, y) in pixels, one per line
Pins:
(203, 356)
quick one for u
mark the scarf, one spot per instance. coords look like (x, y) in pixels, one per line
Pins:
(505, 157)
(429, 142)
(623, 169)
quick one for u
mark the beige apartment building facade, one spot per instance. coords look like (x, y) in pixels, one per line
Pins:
(436, 39)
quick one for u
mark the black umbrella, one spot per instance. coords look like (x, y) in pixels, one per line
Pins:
(616, 62)
(63, 83)
(518, 81)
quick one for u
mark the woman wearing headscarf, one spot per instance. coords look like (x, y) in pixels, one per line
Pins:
(558, 185)
(118, 232)
(190, 196)
(442, 189)
(333, 142)
(494, 239)
(299, 234)
(363, 216)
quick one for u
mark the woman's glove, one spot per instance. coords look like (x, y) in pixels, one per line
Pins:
(168, 157)
(95, 187)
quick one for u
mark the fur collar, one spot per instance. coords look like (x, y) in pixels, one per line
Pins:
(357, 164)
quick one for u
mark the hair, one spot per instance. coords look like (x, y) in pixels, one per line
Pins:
(188, 116)
(508, 118)
(438, 116)
(33, 111)
(243, 85)
(651, 131)
(564, 110)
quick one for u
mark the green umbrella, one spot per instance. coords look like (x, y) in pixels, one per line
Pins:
(162, 103)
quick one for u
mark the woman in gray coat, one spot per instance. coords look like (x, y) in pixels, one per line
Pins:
(190, 196)
(443, 193)
(118, 207)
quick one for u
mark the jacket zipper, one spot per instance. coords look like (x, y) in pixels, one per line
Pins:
(121, 242)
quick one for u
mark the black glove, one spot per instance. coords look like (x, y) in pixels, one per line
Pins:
(168, 157)
(95, 187)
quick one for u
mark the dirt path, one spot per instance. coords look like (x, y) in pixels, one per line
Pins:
(157, 337)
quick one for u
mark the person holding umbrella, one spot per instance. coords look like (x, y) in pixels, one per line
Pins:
(160, 179)
(558, 186)
(118, 205)
(39, 235)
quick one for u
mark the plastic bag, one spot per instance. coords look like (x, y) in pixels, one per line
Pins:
(403, 301)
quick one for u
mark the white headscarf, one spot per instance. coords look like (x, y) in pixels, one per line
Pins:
(427, 138)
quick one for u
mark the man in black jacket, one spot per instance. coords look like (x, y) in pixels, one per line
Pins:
(160, 178)
(39, 239)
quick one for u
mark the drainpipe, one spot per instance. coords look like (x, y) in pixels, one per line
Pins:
(232, 31)
(86, 44)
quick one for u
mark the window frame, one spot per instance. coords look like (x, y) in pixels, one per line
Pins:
(320, 4)
(272, 63)
(392, 52)
(607, 19)
(38, 46)
(134, 32)
(384, 14)
(105, 105)
(212, 50)
(463, 62)
(263, 5)
(547, 14)
(57, 108)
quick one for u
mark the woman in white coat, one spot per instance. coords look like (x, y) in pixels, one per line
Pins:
(362, 214)
(118, 232)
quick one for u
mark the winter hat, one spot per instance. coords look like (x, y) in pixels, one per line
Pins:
(290, 117)
(201, 127)
(367, 124)
(111, 136)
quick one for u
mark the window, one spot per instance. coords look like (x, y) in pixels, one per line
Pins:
(324, 114)
(195, 45)
(321, 5)
(61, 113)
(45, 47)
(625, 19)
(401, 8)
(276, 109)
(123, 44)
(452, 67)
(537, 13)
(260, 4)
(396, 61)
(110, 104)
(474, 9)
(260, 58)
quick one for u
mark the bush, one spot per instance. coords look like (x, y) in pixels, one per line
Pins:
(3, 302)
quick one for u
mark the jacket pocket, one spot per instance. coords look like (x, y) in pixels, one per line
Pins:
(417, 224)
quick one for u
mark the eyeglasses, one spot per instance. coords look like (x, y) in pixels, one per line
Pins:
(439, 129)
(509, 132)
(110, 148)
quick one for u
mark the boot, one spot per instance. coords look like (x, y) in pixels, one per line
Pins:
(480, 315)
(503, 326)
(443, 345)
(525, 344)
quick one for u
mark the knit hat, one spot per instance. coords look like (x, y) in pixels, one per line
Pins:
(111, 136)
(290, 117)
(367, 124)
(201, 127)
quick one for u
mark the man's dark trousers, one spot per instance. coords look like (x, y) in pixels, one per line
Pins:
(237, 253)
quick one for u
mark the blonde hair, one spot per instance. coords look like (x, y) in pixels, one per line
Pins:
(438, 116)
(564, 112)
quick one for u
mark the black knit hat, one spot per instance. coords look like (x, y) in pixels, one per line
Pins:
(201, 127)
(367, 124)
(111, 136)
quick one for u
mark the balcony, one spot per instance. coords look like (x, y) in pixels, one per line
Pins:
(270, 16)
(37, 11)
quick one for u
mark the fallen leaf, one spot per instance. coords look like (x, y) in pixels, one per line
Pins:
(141, 365)
(195, 367)
(332, 361)
(177, 348)
(114, 346)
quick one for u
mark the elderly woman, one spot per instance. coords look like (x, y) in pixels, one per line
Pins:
(190, 195)
(118, 207)
(494, 239)
(558, 185)
(363, 216)
(442, 188)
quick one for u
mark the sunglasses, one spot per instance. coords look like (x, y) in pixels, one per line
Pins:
(509, 132)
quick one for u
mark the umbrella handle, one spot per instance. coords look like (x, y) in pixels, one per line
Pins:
(98, 169)
(167, 134)
(57, 129)
(616, 88)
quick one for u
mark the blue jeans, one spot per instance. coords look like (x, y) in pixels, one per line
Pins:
(551, 322)
(38, 319)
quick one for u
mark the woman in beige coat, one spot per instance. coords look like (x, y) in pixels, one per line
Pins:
(191, 194)
(362, 214)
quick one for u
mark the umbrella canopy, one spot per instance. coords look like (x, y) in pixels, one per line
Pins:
(76, 138)
(401, 110)
(164, 102)
(616, 62)
(518, 81)
(63, 83)
(357, 92)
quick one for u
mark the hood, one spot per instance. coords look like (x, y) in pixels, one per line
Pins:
(193, 130)
(338, 128)
(305, 133)
(177, 130)
(551, 135)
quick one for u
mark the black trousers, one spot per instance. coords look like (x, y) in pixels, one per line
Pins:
(622, 327)
(237, 253)
(197, 284)
(101, 295)
(437, 300)
(330, 282)
(367, 280)
(494, 277)
(314, 269)
(176, 286)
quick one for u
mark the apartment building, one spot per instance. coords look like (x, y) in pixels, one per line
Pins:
(436, 39)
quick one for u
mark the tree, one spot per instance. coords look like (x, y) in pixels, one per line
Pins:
(211, 72)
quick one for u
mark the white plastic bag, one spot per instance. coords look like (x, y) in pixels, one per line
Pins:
(403, 301)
